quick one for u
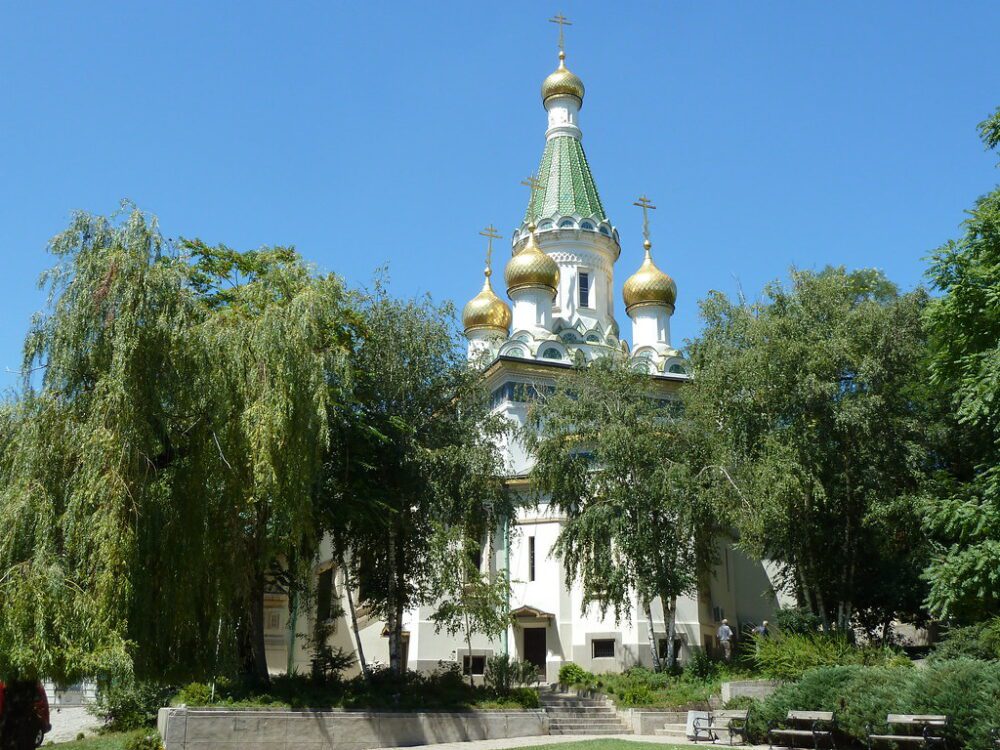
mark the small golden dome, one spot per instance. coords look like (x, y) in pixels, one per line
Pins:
(649, 285)
(531, 268)
(562, 81)
(486, 310)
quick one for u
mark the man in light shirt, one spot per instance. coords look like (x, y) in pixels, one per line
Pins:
(725, 636)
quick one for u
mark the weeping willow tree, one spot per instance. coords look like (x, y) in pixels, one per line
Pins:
(162, 452)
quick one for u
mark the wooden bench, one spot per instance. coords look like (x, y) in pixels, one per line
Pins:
(733, 721)
(822, 725)
(922, 729)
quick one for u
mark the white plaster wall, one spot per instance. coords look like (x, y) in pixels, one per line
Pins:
(532, 309)
(650, 326)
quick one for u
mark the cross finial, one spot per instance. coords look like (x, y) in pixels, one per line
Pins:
(491, 234)
(560, 19)
(645, 204)
(532, 183)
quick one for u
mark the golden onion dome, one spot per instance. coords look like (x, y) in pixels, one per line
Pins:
(649, 285)
(531, 268)
(486, 310)
(562, 81)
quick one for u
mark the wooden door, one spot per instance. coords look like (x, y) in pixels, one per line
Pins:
(535, 649)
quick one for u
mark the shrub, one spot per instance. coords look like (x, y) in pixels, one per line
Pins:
(194, 694)
(130, 704)
(789, 657)
(525, 697)
(143, 742)
(504, 673)
(796, 621)
(700, 665)
(574, 674)
(980, 641)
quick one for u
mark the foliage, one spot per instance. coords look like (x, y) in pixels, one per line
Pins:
(980, 641)
(504, 674)
(574, 674)
(963, 508)
(443, 689)
(813, 401)
(789, 657)
(147, 741)
(125, 705)
(612, 456)
(162, 452)
(415, 451)
(106, 741)
(701, 666)
(796, 621)
(470, 601)
(963, 689)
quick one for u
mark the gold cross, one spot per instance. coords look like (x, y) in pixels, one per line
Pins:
(645, 204)
(560, 19)
(491, 233)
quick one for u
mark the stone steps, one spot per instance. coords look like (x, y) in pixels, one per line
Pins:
(673, 729)
(572, 714)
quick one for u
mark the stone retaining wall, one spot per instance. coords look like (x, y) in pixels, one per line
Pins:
(758, 689)
(205, 729)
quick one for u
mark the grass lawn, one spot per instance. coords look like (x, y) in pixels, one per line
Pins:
(109, 741)
(606, 745)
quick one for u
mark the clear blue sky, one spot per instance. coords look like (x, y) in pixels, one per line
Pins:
(769, 134)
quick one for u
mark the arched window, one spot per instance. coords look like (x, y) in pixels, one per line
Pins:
(587, 225)
(566, 224)
(604, 230)
(677, 369)
(593, 338)
(552, 353)
(547, 224)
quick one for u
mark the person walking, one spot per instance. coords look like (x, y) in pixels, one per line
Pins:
(761, 630)
(725, 636)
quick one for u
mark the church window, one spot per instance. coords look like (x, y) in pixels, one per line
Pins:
(584, 289)
(531, 558)
(566, 224)
(552, 353)
(547, 224)
(603, 648)
(324, 595)
(678, 369)
(593, 338)
(605, 231)
(473, 664)
(587, 225)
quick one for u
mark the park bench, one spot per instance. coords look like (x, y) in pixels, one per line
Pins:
(920, 729)
(821, 726)
(733, 721)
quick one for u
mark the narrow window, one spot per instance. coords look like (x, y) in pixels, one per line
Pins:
(324, 595)
(584, 289)
(531, 558)
(603, 648)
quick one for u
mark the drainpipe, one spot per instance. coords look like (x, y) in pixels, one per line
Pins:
(506, 567)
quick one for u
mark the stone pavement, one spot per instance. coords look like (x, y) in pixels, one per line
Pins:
(516, 742)
(69, 721)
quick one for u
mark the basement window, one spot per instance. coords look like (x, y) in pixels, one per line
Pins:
(603, 648)
(473, 665)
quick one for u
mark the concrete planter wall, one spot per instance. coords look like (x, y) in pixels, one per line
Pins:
(758, 689)
(205, 729)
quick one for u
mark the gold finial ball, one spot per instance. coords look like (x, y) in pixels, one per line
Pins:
(486, 310)
(647, 244)
(531, 268)
(562, 82)
(649, 285)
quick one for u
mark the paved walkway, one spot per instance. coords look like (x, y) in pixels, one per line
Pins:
(549, 739)
(69, 721)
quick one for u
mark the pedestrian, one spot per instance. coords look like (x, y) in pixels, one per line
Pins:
(725, 635)
(761, 630)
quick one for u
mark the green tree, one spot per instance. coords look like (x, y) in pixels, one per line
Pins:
(812, 399)
(963, 514)
(612, 456)
(163, 452)
(471, 600)
(415, 448)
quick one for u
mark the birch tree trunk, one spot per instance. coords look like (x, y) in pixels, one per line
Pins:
(348, 586)
(652, 638)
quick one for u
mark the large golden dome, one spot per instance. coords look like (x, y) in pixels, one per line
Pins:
(486, 310)
(562, 81)
(649, 285)
(531, 268)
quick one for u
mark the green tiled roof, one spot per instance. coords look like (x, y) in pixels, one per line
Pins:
(567, 186)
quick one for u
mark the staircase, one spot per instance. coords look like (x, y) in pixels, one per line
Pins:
(570, 714)
(675, 726)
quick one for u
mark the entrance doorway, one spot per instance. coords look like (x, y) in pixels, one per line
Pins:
(535, 649)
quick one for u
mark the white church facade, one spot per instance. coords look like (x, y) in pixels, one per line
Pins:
(559, 280)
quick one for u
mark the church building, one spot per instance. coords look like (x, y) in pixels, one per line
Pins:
(559, 280)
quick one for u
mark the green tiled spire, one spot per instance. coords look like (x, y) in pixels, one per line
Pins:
(566, 184)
